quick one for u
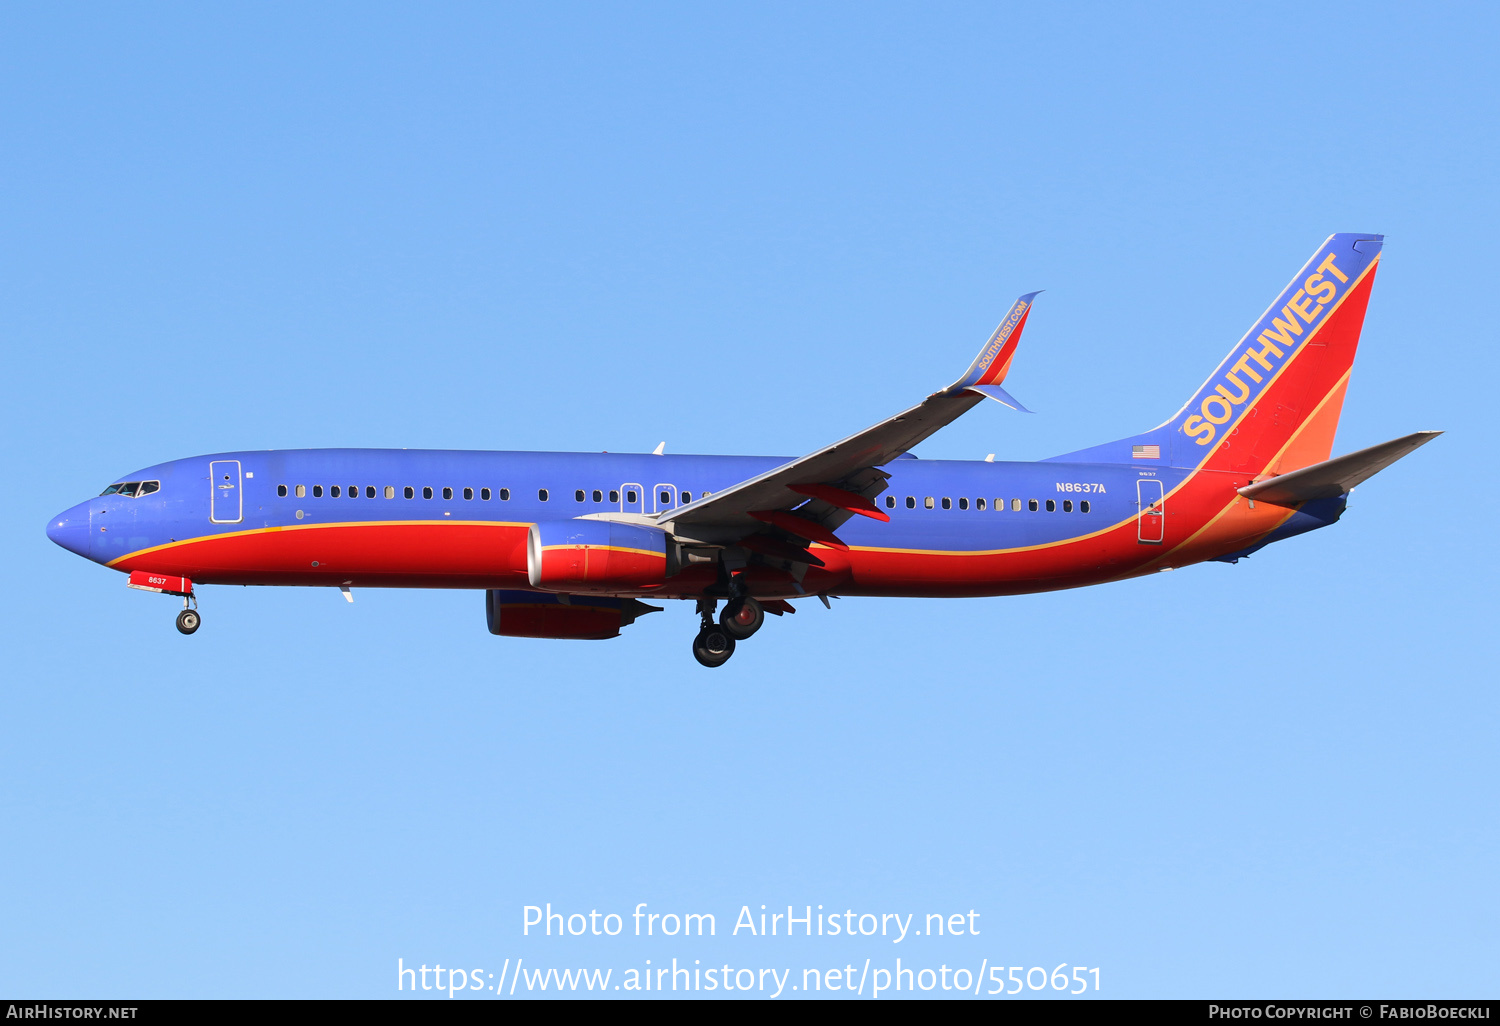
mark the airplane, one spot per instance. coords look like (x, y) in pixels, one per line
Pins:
(570, 545)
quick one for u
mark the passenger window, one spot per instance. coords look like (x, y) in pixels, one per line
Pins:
(484, 493)
(687, 497)
(280, 490)
(334, 491)
(302, 491)
(911, 502)
(666, 498)
(390, 491)
(890, 502)
(1015, 505)
(147, 487)
(963, 503)
(447, 493)
(468, 493)
(354, 491)
(598, 495)
(1067, 505)
(578, 495)
(1083, 507)
(317, 491)
(1051, 506)
(614, 495)
(927, 502)
(947, 502)
(541, 493)
(1030, 504)
(427, 491)
(630, 495)
(505, 495)
(979, 504)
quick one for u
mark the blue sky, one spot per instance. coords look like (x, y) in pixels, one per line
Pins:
(745, 229)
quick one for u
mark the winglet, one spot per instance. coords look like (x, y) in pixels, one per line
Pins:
(1000, 396)
(993, 362)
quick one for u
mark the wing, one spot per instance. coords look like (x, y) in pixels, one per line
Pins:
(838, 481)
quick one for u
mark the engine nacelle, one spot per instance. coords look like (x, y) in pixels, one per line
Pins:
(531, 614)
(595, 556)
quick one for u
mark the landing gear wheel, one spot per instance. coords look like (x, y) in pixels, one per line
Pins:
(742, 618)
(188, 621)
(713, 646)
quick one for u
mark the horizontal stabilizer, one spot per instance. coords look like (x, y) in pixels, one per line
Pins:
(1334, 477)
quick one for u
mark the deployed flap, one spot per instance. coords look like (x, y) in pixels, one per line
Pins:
(1336, 476)
(877, 445)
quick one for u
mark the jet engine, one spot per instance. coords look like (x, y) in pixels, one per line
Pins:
(596, 556)
(531, 614)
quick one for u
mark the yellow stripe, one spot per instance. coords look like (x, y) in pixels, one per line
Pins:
(311, 527)
(992, 552)
(1197, 534)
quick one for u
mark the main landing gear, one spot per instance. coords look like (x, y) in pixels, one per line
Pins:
(742, 617)
(713, 646)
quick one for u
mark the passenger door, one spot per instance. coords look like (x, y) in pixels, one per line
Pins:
(226, 504)
(1150, 519)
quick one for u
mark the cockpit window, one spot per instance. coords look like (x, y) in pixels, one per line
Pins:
(132, 488)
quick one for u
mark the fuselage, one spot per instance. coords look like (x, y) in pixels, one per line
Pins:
(457, 519)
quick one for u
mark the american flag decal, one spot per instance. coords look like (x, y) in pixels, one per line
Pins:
(1145, 452)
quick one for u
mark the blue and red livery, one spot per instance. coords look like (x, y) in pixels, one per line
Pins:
(568, 545)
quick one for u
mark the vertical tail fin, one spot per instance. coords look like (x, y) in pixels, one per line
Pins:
(1273, 405)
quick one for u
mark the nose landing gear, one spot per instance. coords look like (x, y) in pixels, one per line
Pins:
(188, 620)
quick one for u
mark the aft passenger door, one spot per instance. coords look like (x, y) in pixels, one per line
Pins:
(1151, 518)
(226, 504)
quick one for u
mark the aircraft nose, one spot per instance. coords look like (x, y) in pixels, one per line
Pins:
(71, 529)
